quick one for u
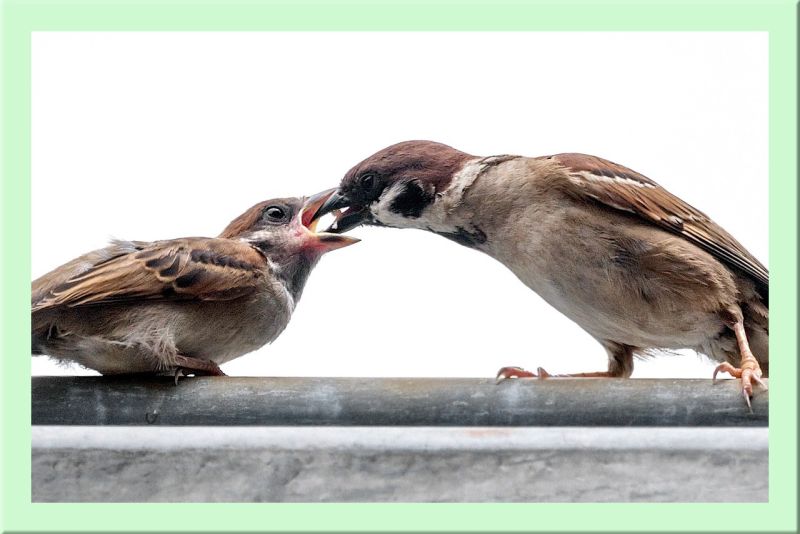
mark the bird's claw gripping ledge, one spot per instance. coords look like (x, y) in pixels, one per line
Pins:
(749, 372)
(188, 365)
(518, 372)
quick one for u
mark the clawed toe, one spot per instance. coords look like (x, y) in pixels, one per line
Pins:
(541, 373)
(760, 382)
(749, 372)
(726, 368)
(519, 372)
(178, 374)
(512, 372)
(188, 365)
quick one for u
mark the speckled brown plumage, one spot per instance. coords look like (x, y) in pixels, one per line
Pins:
(192, 303)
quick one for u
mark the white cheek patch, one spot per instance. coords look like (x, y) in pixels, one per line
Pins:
(382, 211)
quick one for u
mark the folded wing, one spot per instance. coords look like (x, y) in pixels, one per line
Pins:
(178, 269)
(624, 189)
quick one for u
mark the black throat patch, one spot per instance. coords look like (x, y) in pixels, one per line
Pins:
(465, 237)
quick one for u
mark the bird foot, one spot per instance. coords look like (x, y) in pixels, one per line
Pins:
(195, 366)
(749, 372)
(519, 372)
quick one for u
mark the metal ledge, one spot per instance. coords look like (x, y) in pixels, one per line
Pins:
(226, 401)
(398, 464)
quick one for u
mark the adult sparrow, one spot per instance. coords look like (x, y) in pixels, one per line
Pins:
(629, 262)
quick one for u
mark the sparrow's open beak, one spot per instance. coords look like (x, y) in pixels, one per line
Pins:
(325, 241)
(352, 216)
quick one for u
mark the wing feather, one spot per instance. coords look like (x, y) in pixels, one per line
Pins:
(178, 269)
(624, 189)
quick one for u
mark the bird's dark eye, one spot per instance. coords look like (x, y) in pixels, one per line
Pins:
(367, 182)
(275, 213)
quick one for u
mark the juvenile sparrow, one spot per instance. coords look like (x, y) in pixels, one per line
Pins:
(182, 305)
(632, 264)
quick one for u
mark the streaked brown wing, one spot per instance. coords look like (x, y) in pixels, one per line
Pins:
(179, 269)
(624, 189)
(41, 287)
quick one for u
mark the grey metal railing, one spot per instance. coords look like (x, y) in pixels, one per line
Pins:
(227, 401)
(385, 439)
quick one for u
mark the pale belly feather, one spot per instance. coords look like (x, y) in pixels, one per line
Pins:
(146, 337)
(588, 280)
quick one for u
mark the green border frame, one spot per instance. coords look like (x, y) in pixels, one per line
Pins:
(778, 18)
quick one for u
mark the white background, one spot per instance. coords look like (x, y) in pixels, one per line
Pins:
(160, 135)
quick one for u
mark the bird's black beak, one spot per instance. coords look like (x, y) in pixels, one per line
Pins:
(348, 214)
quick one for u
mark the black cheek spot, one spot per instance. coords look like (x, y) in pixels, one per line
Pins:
(411, 201)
